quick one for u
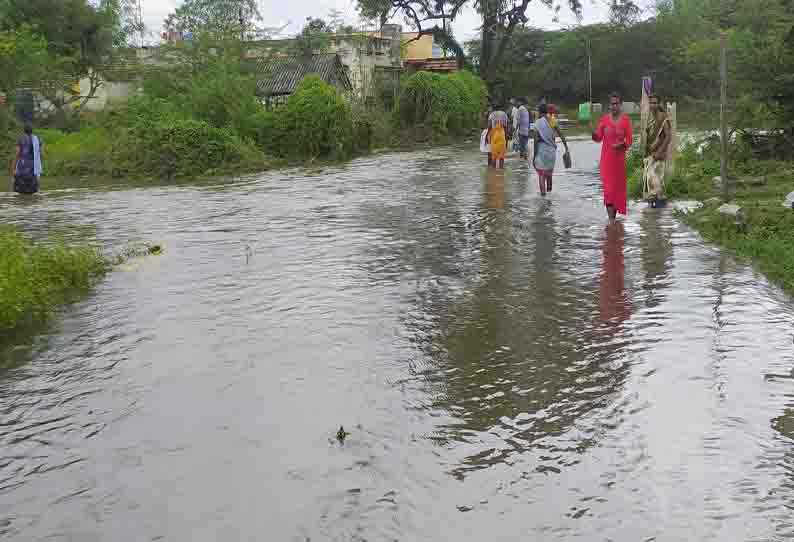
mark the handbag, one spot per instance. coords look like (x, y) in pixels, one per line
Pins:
(566, 159)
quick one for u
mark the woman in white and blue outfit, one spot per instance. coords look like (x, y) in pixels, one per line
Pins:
(27, 166)
(545, 154)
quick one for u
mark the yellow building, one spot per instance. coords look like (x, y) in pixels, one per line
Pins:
(417, 49)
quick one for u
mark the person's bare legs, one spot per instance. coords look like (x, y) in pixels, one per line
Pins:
(612, 213)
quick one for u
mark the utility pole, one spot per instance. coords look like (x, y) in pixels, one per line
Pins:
(726, 185)
(590, 74)
(141, 26)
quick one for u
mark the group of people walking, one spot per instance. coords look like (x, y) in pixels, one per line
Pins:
(522, 126)
(613, 132)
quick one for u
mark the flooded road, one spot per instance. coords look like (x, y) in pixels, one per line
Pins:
(507, 368)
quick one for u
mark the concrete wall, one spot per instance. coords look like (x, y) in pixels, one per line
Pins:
(362, 55)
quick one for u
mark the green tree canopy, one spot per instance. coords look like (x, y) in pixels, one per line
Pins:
(226, 17)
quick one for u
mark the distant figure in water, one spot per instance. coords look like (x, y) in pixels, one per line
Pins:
(498, 125)
(26, 168)
(484, 146)
(523, 127)
(614, 132)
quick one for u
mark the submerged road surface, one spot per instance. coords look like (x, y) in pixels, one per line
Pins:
(507, 368)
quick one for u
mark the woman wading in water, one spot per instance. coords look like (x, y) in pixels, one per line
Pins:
(614, 133)
(498, 126)
(545, 157)
(26, 167)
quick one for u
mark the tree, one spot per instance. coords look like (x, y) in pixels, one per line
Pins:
(22, 57)
(222, 17)
(314, 37)
(67, 40)
(624, 12)
(500, 19)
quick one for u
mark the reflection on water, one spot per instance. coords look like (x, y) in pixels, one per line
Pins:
(615, 306)
(507, 365)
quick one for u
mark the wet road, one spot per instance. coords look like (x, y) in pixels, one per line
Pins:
(508, 368)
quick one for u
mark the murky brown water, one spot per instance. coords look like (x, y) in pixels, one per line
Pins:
(507, 368)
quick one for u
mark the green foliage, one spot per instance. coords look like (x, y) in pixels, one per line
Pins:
(769, 241)
(209, 86)
(87, 152)
(35, 278)
(153, 137)
(217, 17)
(22, 57)
(373, 128)
(313, 38)
(634, 173)
(48, 44)
(449, 104)
(316, 122)
(679, 46)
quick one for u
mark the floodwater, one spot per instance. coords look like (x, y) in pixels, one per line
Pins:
(506, 366)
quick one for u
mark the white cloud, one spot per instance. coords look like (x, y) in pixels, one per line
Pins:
(155, 12)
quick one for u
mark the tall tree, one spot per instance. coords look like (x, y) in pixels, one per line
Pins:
(500, 19)
(67, 40)
(624, 12)
(223, 17)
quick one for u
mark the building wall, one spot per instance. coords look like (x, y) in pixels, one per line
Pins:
(362, 55)
(420, 49)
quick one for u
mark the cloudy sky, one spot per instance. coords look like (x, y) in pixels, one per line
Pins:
(277, 13)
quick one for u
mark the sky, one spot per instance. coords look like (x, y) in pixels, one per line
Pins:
(293, 13)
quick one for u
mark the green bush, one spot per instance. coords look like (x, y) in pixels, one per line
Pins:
(214, 89)
(634, 174)
(267, 131)
(153, 137)
(768, 242)
(373, 128)
(37, 277)
(449, 104)
(316, 122)
(87, 152)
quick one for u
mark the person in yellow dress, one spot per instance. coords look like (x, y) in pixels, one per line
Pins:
(498, 123)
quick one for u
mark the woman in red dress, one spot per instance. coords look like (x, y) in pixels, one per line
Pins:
(614, 131)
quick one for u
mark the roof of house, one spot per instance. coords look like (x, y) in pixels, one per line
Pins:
(433, 64)
(278, 76)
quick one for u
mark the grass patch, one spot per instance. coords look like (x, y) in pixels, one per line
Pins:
(760, 189)
(769, 240)
(37, 277)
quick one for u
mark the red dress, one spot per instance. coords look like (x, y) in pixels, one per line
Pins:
(613, 161)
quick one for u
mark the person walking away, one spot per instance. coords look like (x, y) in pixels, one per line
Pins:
(498, 126)
(545, 149)
(26, 168)
(658, 137)
(514, 103)
(484, 146)
(498, 133)
(615, 135)
(523, 129)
